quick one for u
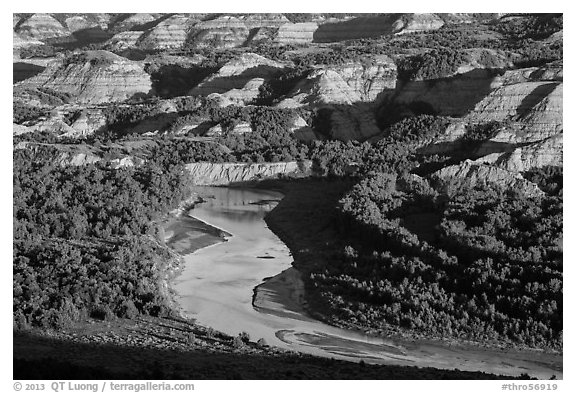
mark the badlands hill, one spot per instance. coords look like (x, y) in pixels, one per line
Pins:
(353, 92)
(421, 157)
(164, 31)
(93, 77)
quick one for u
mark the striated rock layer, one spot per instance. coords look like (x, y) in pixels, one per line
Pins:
(370, 79)
(352, 82)
(509, 101)
(346, 93)
(548, 152)
(41, 27)
(528, 104)
(94, 77)
(171, 33)
(413, 23)
(322, 86)
(222, 32)
(205, 173)
(296, 33)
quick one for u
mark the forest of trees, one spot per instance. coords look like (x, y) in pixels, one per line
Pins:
(492, 271)
(83, 239)
(435, 64)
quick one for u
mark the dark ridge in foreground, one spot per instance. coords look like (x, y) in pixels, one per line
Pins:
(46, 358)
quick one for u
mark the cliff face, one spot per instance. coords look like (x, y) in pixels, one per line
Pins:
(413, 23)
(296, 33)
(371, 79)
(204, 173)
(94, 77)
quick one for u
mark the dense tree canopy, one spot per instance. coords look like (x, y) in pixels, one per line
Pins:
(492, 269)
(83, 239)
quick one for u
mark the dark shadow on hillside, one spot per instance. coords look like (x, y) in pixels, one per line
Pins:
(174, 80)
(344, 122)
(140, 97)
(22, 71)
(224, 84)
(91, 35)
(422, 225)
(37, 357)
(251, 34)
(390, 112)
(451, 96)
(535, 96)
(81, 38)
(153, 123)
(202, 128)
(363, 27)
(470, 149)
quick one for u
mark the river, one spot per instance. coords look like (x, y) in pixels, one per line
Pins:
(247, 284)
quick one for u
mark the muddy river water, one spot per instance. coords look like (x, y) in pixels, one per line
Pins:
(247, 284)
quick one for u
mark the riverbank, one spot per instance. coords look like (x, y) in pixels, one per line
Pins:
(186, 234)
